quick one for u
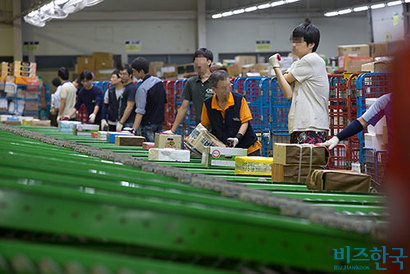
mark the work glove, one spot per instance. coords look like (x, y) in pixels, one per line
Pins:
(331, 143)
(274, 60)
(168, 132)
(119, 126)
(104, 124)
(232, 142)
(91, 118)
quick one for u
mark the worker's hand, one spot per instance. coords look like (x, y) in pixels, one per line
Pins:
(168, 132)
(274, 60)
(104, 124)
(58, 118)
(331, 143)
(91, 118)
(232, 142)
(119, 126)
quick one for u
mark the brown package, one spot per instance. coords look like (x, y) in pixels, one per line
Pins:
(129, 140)
(338, 180)
(286, 154)
(289, 173)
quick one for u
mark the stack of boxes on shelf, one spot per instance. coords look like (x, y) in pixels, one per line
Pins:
(101, 63)
(21, 88)
(371, 57)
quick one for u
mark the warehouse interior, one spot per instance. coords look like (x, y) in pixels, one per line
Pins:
(81, 196)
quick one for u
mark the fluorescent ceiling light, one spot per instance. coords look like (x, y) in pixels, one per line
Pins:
(216, 16)
(239, 11)
(332, 13)
(253, 8)
(406, 1)
(393, 3)
(346, 11)
(378, 6)
(357, 9)
(290, 1)
(279, 3)
(228, 13)
(264, 6)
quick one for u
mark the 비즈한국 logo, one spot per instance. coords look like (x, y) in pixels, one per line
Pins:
(356, 259)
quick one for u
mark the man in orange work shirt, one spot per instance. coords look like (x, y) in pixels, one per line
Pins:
(226, 114)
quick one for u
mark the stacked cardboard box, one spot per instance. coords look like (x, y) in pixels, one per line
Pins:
(292, 163)
(103, 60)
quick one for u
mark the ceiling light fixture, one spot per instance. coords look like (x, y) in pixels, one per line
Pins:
(378, 6)
(363, 8)
(357, 9)
(264, 6)
(277, 3)
(394, 3)
(249, 9)
(239, 11)
(253, 8)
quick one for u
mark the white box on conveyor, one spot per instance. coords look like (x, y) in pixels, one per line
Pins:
(169, 155)
(67, 126)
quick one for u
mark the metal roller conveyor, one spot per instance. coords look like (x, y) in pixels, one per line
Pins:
(71, 202)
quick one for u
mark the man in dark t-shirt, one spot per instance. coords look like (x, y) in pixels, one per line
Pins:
(196, 89)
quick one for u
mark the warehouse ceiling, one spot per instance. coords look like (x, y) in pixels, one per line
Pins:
(302, 8)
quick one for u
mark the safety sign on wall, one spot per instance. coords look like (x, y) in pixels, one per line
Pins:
(29, 46)
(263, 45)
(132, 45)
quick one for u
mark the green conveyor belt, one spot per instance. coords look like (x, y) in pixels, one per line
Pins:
(119, 216)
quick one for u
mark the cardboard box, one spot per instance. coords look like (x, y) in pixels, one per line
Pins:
(233, 70)
(155, 68)
(11, 122)
(379, 66)
(352, 64)
(253, 165)
(338, 180)
(359, 50)
(31, 94)
(67, 126)
(167, 141)
(169, 155)
(375, 141)
(129, 140)
(21, 80)
(221, 156)
(378, 49)
(85, 129)
(290, 173)
(200, 138)
(40, 123)
(31, 106)
(245, 59)
(186, 68)
(85, 63)
(288, 154)
(228, 62)
(111, 135)
(102, 135)
(103, 60)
